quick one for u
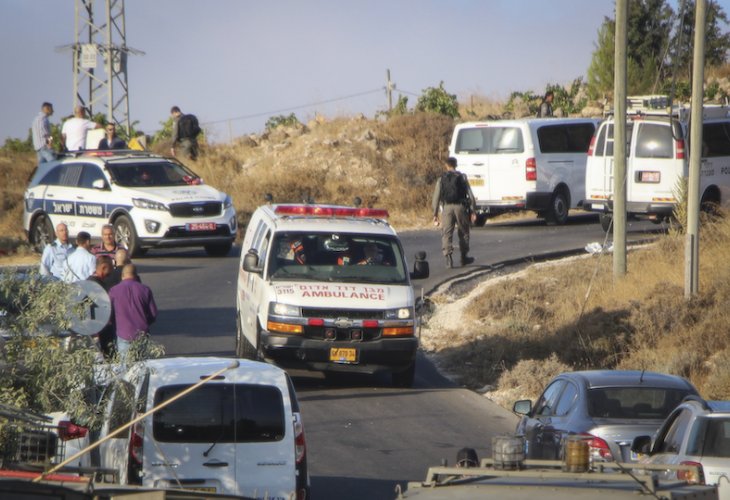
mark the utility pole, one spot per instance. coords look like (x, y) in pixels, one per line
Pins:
(389, 87)
(619, 141)
(101, 85)
(692, 243)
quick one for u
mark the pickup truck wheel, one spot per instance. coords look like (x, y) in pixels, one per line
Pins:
(405, 378)
(244, 349)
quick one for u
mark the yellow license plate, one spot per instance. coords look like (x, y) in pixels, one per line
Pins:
(476, 182)
(343, 354)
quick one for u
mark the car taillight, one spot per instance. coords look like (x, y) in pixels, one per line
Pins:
(692, 476)
(531, 169)
(598, 449)
(136, 443)
(68, 430)
(592, 146)
(679, 143)
(300, 445)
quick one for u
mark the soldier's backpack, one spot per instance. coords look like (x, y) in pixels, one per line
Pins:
(188, 127)
(453, 189)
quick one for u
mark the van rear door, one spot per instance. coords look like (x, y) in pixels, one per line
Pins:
(599, 167)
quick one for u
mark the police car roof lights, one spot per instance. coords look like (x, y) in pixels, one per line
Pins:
(331, 211)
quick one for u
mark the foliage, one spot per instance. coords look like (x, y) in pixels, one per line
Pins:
(401, 107)
(570, 100)
(437, 100)
(282, 120)
(717, 40)
(18, 145)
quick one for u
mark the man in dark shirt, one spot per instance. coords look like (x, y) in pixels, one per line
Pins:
(134, 309)
(111, 140)
(107, 336)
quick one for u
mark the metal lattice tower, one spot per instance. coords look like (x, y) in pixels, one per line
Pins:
(100, 61)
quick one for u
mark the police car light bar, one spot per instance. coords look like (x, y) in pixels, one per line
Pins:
(326, 211)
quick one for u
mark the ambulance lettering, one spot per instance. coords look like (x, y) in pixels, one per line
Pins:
(342, 292)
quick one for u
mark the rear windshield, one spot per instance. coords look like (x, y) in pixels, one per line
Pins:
(489, 140)
(654, 140)
(633, 402)
(604, 146)
(220, 413)
(151, 174)
(710, 437)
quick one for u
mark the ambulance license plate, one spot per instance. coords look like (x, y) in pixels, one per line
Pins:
(343, 355)
(201, 226)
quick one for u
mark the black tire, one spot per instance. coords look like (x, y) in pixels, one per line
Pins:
(710, 204)
(126, 234)
(558, 212)
(221, 250)
(41, 233)
(244, 349)
(606, 220)
(480, 220)
(404, 379)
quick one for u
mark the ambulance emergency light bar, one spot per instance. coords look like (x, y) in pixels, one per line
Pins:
(331, 211)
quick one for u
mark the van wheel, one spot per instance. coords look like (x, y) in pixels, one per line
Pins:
(558, 213)
(480, 220)
(606, 220)
(218, 250)
(244, 349)
(405, 378)
(41, 233)
(126, 234)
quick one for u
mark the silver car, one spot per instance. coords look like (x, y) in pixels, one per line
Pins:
(697, 433)
(609, 407)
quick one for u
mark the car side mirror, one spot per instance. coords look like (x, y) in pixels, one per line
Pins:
(641, 445)
(522, 407)
(420, 267)
(99, 184)
(251, 262)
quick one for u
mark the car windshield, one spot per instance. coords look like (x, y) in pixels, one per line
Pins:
(151, 174)
(336, 257)
(710, 437)
(633, 402)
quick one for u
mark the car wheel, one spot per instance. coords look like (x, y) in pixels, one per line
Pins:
(218, 250)
(41, 233)
(480, 220)
(126, 235)
(558, 213)
(244, 349)
(606, 220)
(405, 378)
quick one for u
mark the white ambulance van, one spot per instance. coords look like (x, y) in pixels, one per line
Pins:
(657, 160)
(327, 288)
(533, 164)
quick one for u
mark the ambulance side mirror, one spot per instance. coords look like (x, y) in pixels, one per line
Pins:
(251, 262)
(420, 267)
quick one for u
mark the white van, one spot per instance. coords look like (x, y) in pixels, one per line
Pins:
(327, 288)
(657, 160)
(240, 433)
(533, 164)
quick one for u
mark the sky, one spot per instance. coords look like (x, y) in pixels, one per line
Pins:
(235, 63)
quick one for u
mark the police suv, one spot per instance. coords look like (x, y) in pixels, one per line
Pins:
(152, 202)
(327, 288)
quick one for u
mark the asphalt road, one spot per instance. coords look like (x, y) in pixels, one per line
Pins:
(363, 437)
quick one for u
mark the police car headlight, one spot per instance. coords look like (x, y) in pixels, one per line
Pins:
(402, 313)
(148, 204)
(279, 309)
(227, 203)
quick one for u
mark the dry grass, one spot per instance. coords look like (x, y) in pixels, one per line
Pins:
(552, 317)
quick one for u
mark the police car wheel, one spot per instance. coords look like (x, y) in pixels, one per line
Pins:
(125, 234)
(41, 233)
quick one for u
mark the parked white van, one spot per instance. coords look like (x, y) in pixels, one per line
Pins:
(657, 160)
(241, 433)
(327, 288)
(533, 164)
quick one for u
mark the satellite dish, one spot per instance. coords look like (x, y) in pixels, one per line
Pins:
(97, 307)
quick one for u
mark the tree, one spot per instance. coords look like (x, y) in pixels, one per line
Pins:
(437, 100)
(282, 120)
(717, 41)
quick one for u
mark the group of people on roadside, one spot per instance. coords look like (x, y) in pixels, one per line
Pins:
(107, 264)
(185, 131)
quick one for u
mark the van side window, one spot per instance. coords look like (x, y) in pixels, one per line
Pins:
(601, 142)
(654, 140)
(489, 140)
(573, 138)
(716, 140)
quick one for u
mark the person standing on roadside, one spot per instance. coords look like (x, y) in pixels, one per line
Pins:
(133, 307)
(185, 131)
(42, 138)
(111, 140)
(74, 130)
(453, 195)
(53, 260)
(108, 245)
(81, 263)
(121, 258)
(107, 337)
(546, 106)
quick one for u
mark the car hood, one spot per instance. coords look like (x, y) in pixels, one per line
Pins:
(178, 194)
(343, 295)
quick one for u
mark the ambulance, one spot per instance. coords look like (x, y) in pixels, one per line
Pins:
(327, 288)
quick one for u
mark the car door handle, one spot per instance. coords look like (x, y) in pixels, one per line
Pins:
(215, 464)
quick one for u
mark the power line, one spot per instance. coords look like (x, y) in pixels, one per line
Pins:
(292, 108)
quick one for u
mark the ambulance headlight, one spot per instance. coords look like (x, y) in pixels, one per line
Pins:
(279, 309)
(402, 313)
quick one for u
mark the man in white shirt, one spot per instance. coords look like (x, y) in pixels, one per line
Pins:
(74, 130)
(53, 260)
(81, 263)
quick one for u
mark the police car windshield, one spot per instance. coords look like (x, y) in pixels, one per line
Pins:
(151, 174)
(336, 257)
